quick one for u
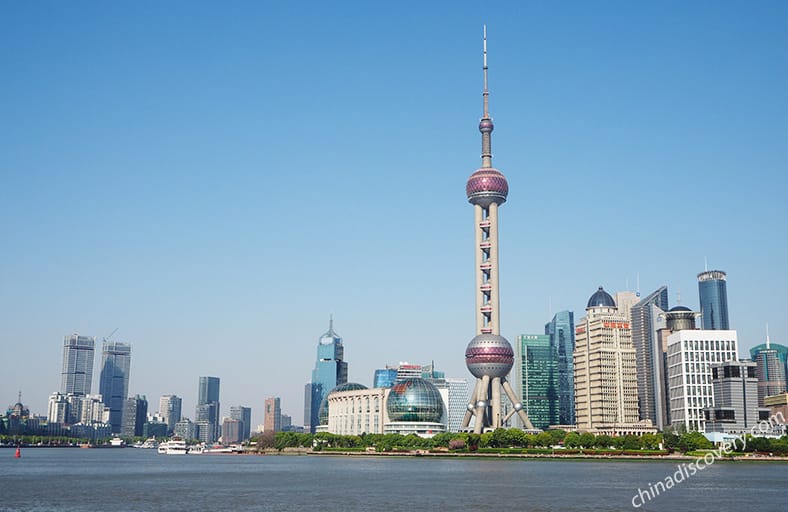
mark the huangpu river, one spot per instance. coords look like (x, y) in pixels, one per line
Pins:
(73, 479)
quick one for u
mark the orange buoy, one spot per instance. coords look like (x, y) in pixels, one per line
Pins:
(18, 452)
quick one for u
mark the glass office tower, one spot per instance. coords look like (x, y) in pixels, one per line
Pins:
(648, 317)
(538, 379)
(77, 373)
(329, 372)
(207, 409)
(114, 380)
(713, 294)
(561, 330)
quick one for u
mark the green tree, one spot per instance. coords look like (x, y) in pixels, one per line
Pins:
(544, 439)
(631, 442)
(587, 440)
(558, 435)
(572, 440)
(603, 441)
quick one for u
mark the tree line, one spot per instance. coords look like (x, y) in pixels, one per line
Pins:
(511, 438)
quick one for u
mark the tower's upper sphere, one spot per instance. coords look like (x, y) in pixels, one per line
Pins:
(487, 186)
(489, 354)
(486, 125)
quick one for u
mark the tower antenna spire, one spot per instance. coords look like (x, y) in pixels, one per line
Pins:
(486, 93)
(768, 343)
(486, 124)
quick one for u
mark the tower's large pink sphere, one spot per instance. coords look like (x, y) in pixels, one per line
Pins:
(487, 186)
(489, 354)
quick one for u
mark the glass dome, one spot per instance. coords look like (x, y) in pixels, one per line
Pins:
(322, 413)
(414, 400)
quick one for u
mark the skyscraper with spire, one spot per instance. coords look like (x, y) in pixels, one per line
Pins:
(329, 372)
(489, 356)
(770, 369)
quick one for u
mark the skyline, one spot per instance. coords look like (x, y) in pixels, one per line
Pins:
(216, 182)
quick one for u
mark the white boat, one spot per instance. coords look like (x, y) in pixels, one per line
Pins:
(173, 447)
(149, 443)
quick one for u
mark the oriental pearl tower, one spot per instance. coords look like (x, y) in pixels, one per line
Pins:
(489, 356)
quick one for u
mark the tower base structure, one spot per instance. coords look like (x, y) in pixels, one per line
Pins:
(489, 358)
(486, 405)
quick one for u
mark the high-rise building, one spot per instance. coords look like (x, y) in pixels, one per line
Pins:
(114, 380)
(625, 301)
(489, 356)
(561, 330)
(781, 351)
(77, 374)
(537, 376)
(678, 318)
(185, 429)
(170, 410)
(690, 356)
(205, 431)
(606, 392)
(713, 293)
(329, 372)
(385, 377)
(456, 401)
(206, 414)
(272, 415)
(208, 405)
(232, 431)
(57, 411)
(735, 390)
(770, 370)
(135, 414)
(648, 317)
(244, 415)
(94, 411)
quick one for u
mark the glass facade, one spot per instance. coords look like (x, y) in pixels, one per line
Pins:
(538, 373)
(244, 415)
(648, 316)
(384, 377)
(713, 294)
(114, 380)
(329, 372)
(77, 374)
(415, 400)
(562, 338)
(208, 403)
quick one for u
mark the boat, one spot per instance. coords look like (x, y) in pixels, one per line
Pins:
(173, 447)
(196, 449)
(149, 443)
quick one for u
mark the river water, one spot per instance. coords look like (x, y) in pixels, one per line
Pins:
(63, 479)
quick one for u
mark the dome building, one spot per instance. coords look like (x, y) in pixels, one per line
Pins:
(322, 414)
(606, 386)
(414, 406)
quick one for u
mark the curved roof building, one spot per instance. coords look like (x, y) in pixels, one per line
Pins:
(415, 406)
(601, 299)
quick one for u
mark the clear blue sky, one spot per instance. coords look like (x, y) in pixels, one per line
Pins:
(215, 179)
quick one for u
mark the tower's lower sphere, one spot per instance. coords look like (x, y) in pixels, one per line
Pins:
(489, 354)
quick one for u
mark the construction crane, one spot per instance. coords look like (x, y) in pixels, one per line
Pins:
(111, 334)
